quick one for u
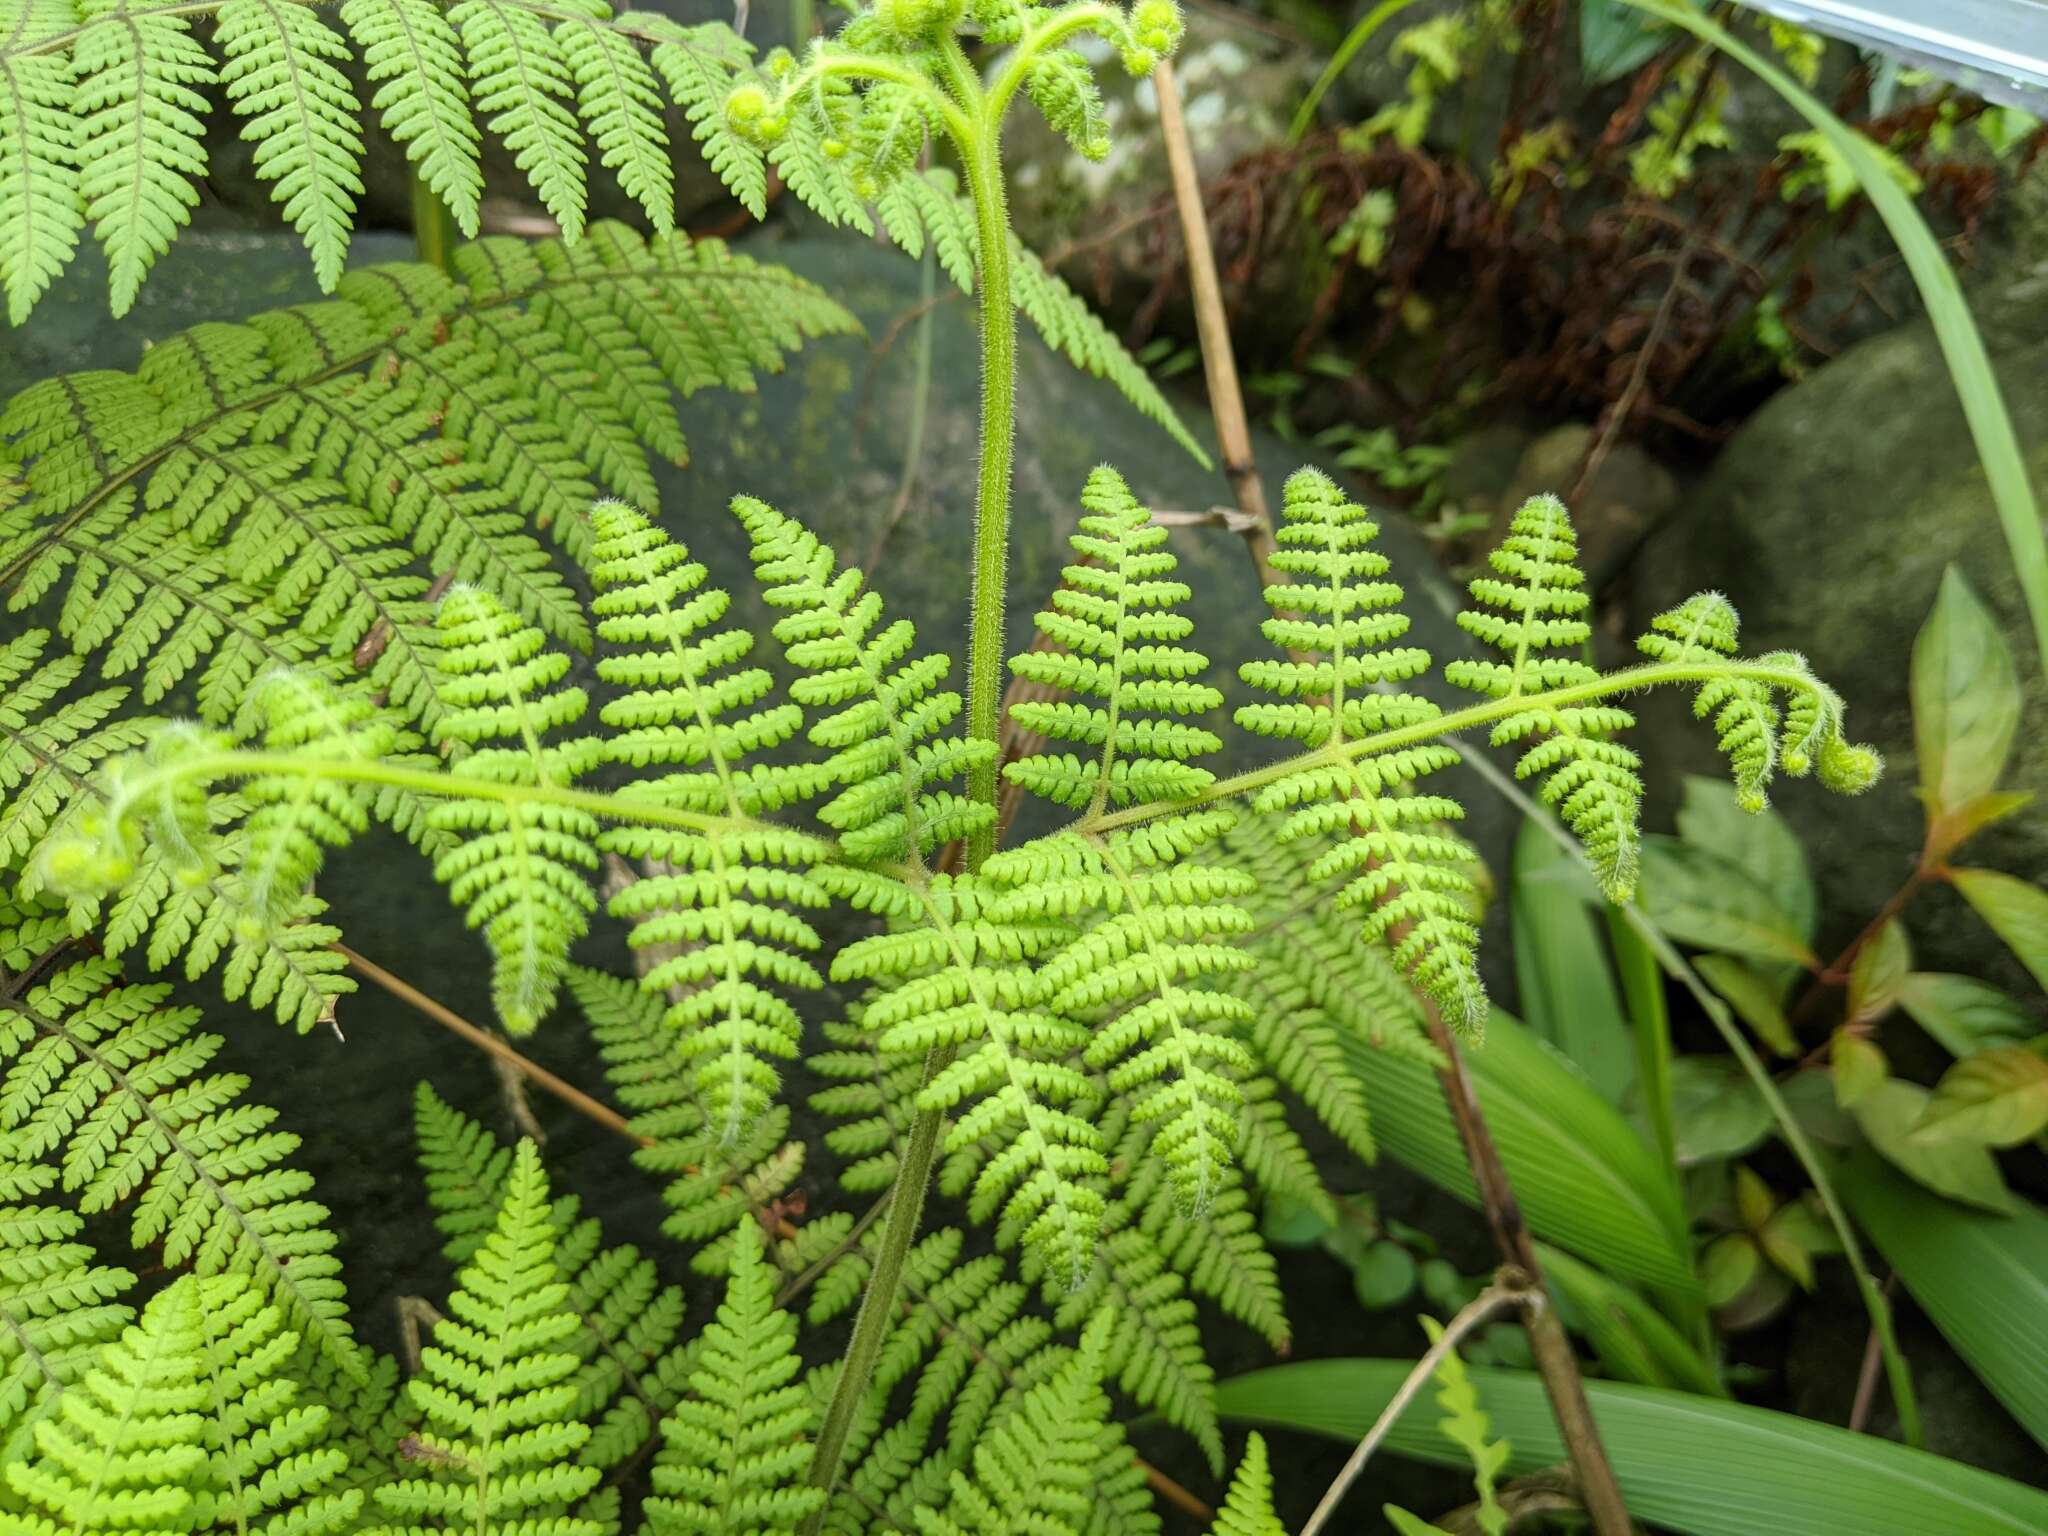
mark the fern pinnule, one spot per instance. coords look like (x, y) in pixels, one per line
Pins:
(621, 106)
(724, 904)
(711, 1183)
(190, 1417)
(497, 1447)
(1340, 620)
(410, 54)
(1116, 618)
(521, 868)
(1532, 611)
(138, 137)
(518, 76)
(959, 979)
(40, 209)
(280, 73)
(1052, 1462)
(631, 1367)
(1248, 1507)
(886, 716)
(736, 1455)
(1705, 627)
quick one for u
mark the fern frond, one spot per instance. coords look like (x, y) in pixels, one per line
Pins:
(1115, 619)
(113, 1085)
(280, 74)
(522, 868)
(959, 980)
(41, 210)
(411, 55)
(496, 1453)
(630, 1368)
(1339, 618)
(1248, 1507)
(186, 1420)
(621, 108)
(888, 718)
(700, 67)
(57, 1306)
(517, 74)
(1155, 1352)
(1050, 1464)
(1532, 611)
(711, 1183)
(1705, 628)
(736, 1457)
(728, 903)
(137, 144)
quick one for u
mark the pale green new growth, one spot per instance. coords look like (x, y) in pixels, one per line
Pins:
(1339, 617)
(1248, 1510)
(1533, 613)
(496, 1452)
(189, 1420)
(519, 867)
(735, 1456)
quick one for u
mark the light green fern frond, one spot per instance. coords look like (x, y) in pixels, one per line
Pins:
(887, 717)
(281, 74)
(522, 868)
(410, 53)
(136, 135)
(1049, 1464)
(1339, 620)
(736, 1455)
(1532, 611)
(711, 1183)
(954, 978)
(189, 1421)
(41, 210)
(1705, 628)
(518, 76)
(57, 1305)
(1248, 1507)
(497, 1450)
(1115, 618)
(724, 905)
(114, 1086)
(621, 105)
(1154, 921)
(631, 1369)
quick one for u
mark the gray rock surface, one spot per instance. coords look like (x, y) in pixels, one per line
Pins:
(1828, 520)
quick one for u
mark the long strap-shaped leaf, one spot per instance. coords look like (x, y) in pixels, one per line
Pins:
(1689, 1464)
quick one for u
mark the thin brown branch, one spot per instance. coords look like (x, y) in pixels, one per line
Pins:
(1174, 1493)
(1548, 1342)
(484, 1040)
(1219, 360)
(1506, 1291)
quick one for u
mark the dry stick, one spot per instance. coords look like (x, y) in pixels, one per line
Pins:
(1555, 1362)
(448, 1018)
(1219, 361)
(1502, 1293)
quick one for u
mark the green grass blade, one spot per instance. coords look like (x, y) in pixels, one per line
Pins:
(1983, 1279)
(1961, 345)
(1695, 1465)
(1356, 39)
